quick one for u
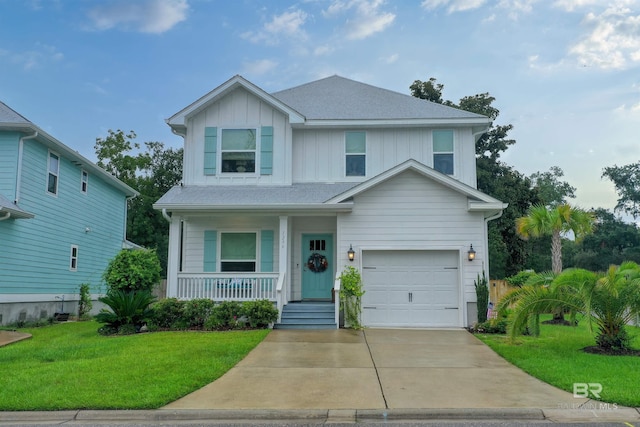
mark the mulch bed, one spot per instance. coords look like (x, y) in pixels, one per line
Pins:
(597, 350)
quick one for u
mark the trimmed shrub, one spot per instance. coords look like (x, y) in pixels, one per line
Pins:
(167, 312)
(85, 304)
(260, 313)
(133, 270)
(197, 311)
(224, 315)
(482, 296)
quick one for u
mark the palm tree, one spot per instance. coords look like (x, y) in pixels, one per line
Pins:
(556, 221)
(610, 300)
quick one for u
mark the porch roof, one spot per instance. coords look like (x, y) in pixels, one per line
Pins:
(225, 197)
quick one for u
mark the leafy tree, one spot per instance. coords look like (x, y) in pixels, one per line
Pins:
(627, 182)
(152, 171)
(507, 252)
(541, 221)
(551, 190)
(133, 270)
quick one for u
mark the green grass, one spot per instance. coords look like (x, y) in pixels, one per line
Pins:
(70, 366)
(556, 357)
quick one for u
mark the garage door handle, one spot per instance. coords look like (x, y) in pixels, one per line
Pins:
(370, 308)
(451, 308)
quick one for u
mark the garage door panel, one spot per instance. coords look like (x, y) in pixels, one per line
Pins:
(410, 288)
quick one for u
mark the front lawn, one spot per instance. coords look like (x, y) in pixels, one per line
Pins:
(70, 366)
(556, 357)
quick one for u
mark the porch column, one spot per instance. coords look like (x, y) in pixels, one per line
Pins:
(283, 257)
(173, 257)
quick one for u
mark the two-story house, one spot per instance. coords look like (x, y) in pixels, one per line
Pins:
(281, 191)
(62, 219)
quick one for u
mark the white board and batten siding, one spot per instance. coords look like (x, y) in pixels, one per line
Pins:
(430, 228)
(319, 155)
(238, 109)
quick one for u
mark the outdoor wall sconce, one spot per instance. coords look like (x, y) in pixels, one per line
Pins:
(351, 254)
(471, 253)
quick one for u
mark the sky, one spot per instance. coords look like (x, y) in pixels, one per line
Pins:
(564, 73)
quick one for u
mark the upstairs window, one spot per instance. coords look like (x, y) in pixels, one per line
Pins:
(84, 181)
(238, 150)
(53, 172)
(238, 252)
(443, 151)
(355, 153)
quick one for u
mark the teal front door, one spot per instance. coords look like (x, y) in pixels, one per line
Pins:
(317, 267)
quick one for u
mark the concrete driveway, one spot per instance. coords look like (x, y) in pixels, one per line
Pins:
(375, 369)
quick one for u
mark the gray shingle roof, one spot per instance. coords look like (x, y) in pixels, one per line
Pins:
(7, 115)
(7, 205)
(339, 98)
(235, 195)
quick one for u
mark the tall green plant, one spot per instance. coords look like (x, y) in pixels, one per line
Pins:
(482, 296)
(351, 296)
(85, 304)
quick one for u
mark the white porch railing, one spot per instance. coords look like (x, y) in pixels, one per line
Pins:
(281, 297)
(336, 293)
(227, 286)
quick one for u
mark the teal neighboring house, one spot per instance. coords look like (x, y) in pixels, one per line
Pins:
(62, 219)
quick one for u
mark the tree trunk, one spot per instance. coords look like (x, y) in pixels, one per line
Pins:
(556, 267)
(556, 252)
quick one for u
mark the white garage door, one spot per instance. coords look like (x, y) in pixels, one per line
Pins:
(410, 288)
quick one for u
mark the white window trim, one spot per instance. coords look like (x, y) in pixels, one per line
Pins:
(84, 185)
(257, 151)
(344, 146)
(219, 247)
(57, 175)
(73, 258)
(452, 152)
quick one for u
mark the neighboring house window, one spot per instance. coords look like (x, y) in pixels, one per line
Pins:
(238, 251)
(443, 151)
(52, 176)
(73, 259)
(84, 182)
(238, 150)
(355, 153)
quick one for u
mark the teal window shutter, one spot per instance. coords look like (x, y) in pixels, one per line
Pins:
(266, 150)
(210, 147)
(210, 250)
(266, 251)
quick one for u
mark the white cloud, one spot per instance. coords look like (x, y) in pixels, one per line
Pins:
(452, 5)
(571, 5)
(41, 55)
(145, 16)
(614, 41)
(391, 58)
(259, 67)
(323, 50)
(515, 8)
(368, 19)
(288, 24)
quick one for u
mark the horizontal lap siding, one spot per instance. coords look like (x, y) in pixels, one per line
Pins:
(413, 212)
(8, 163)
(194, 228)
(37, 261)
(238, 109)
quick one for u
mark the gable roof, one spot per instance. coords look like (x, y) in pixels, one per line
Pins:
(10, 120)
(478, 201)
(178, 120)
(338, 99)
